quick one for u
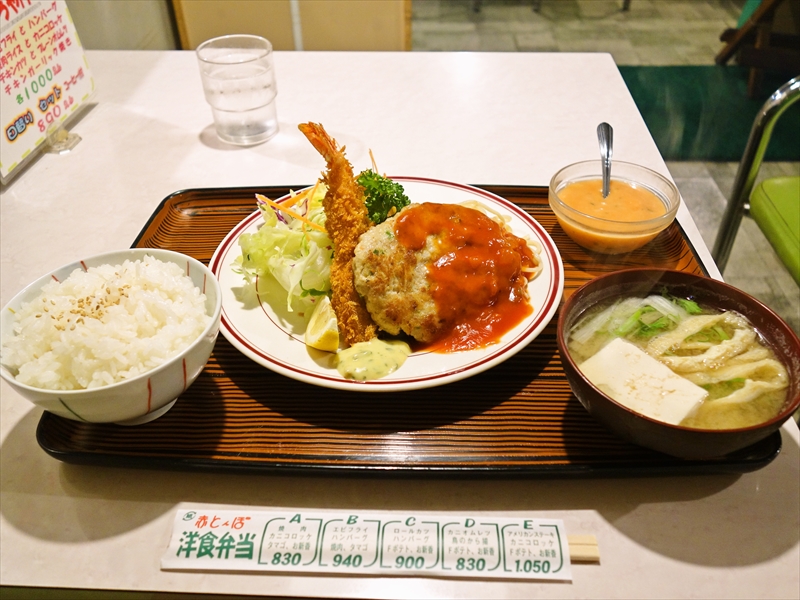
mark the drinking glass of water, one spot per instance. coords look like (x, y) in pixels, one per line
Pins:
(239, 83)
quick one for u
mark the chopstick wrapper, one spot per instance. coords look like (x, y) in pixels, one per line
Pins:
(371, 543)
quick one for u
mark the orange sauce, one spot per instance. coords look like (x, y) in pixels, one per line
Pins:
(476, 278)
(623, 203)
(626, 205)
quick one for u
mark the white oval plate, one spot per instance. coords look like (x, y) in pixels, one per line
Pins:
(269, 334)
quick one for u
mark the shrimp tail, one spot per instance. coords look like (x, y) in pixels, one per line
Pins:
(322, 142)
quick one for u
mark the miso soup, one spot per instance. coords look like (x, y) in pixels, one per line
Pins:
(719, 351)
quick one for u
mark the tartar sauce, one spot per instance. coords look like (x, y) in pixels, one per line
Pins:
(371, 360)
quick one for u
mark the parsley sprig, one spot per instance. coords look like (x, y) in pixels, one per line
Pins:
(383, 196)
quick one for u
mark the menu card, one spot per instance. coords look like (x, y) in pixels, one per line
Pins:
(44, 77)
(368, 543)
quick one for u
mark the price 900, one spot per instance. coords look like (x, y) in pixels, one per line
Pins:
(409, 562)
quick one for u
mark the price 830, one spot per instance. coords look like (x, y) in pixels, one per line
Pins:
(470, 564)
(286, 559)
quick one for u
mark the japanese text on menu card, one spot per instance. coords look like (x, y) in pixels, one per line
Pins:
(368, 543)
(44, 76)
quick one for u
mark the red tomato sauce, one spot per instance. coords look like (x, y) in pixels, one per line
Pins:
(477, 278)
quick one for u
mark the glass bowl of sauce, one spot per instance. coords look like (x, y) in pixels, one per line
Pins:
(640, 204)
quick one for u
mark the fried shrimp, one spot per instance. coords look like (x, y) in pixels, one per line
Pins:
(346, 220)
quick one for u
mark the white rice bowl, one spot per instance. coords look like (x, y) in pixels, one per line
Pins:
(114, 338)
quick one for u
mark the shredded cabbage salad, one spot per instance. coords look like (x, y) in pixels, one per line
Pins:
(292, 246)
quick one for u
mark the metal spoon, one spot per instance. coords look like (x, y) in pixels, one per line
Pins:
(605, 136)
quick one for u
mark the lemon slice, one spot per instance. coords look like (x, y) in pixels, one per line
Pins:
(322, 332)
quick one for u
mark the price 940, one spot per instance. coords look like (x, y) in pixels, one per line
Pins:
(349, 560)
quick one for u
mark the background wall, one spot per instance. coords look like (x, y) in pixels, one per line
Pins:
(199, 20)
(356, 24)
(124, 24)
(288, 24)
(321, 24)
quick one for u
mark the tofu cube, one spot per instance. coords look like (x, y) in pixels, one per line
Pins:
(639, 382)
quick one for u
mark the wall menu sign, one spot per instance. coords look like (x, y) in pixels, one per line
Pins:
(44, 77)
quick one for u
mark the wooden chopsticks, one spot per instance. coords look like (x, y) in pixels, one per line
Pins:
(583, 549)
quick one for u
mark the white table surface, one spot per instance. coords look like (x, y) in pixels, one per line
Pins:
(480, 118)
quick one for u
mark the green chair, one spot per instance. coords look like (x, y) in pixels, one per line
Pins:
(775, 203)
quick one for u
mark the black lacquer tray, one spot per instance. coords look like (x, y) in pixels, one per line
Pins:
(519, 418)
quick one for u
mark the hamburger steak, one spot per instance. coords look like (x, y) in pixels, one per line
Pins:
(393, 281)
(436, 267)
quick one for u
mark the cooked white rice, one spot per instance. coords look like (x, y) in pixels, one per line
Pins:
(105, 325)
